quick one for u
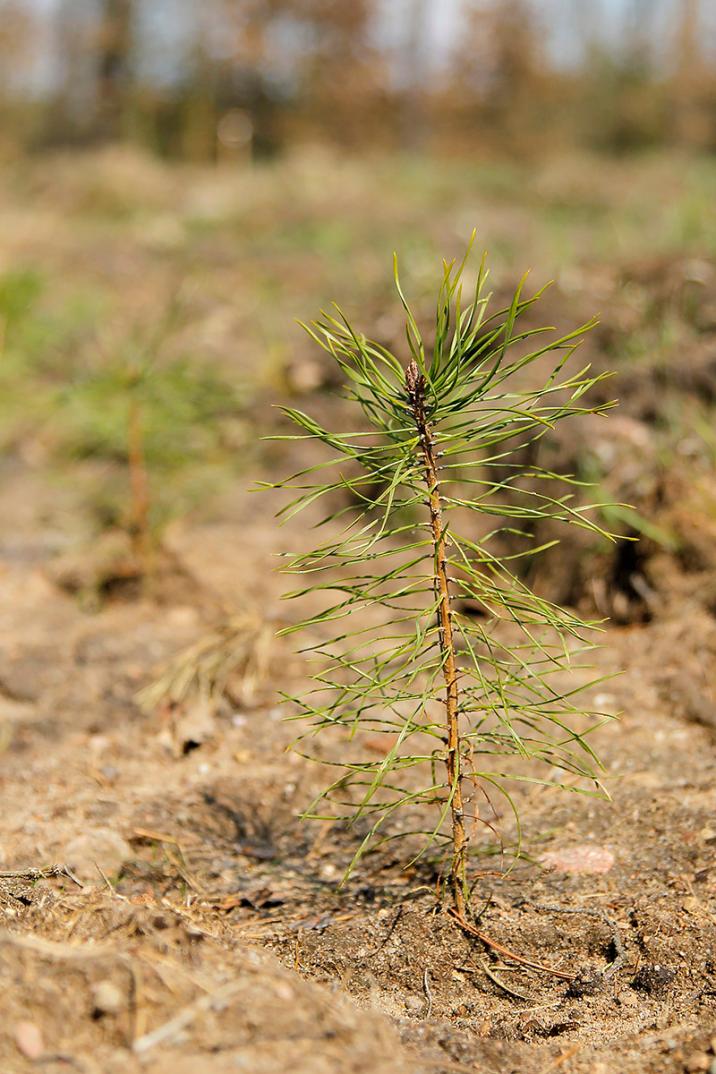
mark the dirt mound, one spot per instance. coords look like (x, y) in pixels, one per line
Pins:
(136, 988)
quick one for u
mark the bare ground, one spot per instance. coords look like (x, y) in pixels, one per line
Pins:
(189, 866)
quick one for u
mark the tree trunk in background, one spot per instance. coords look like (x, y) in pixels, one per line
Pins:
(691, 125)
(200, 115)
(70, 114)
(414, 112)
(114, 55)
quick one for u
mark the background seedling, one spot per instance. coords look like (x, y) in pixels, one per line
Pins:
(159, 424)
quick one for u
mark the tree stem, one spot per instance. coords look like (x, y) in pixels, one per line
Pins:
(415, 383)
(139, 488)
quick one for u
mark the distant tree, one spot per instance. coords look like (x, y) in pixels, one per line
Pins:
(113, 63)
(93, 46)
(502, 75)
(415, 94)
(230, 77)
(312, 61)
(694, 86)
(17, 33)
(341, 77)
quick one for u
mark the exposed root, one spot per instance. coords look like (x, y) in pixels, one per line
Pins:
(470, 929)
(582, 984)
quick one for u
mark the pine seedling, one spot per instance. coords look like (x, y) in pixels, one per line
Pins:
(433, 643)
(160, 425)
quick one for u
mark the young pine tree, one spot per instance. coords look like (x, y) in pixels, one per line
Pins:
(432, 640)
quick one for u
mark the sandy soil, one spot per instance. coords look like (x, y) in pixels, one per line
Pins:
(188, 866)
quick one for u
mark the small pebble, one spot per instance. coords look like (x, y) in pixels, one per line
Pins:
(582, 859)
(285, 992)
(698, 1062)
(28, 1039)
(107, 998)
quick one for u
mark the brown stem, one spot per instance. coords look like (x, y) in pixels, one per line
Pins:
(139, 486)
(415, 383)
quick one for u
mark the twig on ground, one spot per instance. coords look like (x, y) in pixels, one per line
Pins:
(183, 871)
(108, 882)
(428, 992)
(619, 951)
(184, 1018)
(483, 968)
(40, 874)
(563, 1058)
(155, 837)
(56, 949)
(135, 1029)
(505, 951)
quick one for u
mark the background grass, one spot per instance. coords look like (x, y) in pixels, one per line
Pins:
(113, 261)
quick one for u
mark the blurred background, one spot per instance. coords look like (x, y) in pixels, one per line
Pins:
(249, 79)
(179, 182)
